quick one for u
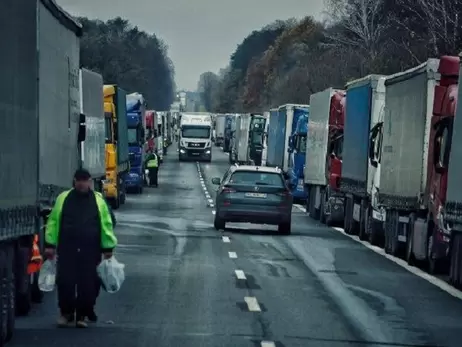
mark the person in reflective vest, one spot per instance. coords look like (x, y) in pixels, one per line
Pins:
(152, 165)
(79, 231)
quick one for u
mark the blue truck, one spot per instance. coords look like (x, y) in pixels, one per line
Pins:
(228, 132)
(282, 125)
(297, 152)
(136, 121)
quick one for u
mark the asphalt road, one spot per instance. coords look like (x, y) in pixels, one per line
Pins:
(189, 285)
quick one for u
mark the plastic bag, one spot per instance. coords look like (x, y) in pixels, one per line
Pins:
(47, 276)
(112, 274)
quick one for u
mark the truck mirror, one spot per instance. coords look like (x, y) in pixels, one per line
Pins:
(82, 133)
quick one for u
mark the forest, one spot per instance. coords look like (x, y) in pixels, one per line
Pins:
(129, 57)
(287, 61)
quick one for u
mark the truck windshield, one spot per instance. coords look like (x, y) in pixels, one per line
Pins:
(198, 132)
(133, 136)
(256, 138)
(107, 122)
(301, 144)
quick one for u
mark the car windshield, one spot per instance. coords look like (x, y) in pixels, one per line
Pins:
(257, 178)
(197, 132)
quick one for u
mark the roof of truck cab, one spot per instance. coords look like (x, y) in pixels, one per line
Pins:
(63, 17)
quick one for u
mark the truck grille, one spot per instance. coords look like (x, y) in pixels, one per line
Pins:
(196, 145)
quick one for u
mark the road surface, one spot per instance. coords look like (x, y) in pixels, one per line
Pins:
(189, 285)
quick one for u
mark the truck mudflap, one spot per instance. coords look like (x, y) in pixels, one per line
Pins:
(455, 271)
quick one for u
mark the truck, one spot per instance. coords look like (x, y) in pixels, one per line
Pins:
(220, 122)
(39, 135)
(160, 136)
(297, 153)
(429, 233)
(228, 132)
(117, 155)
(151, 131)
(323, 163)
(282, 125)
(195, 137)
(447, 155)
(136, 123)
(92, 151)
(405, 149)
(364, 110)
(256, 138)
(239, 151)
(264, 153)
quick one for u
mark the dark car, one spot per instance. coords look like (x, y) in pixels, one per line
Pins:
(253, 194)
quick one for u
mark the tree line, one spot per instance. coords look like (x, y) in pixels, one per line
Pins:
(287, 61)
(129, 57)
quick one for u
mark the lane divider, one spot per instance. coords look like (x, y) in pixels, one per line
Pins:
(267, 344)
(204, 186)
(226, 239)
(240, 275)
(252, 304)
(232, 255)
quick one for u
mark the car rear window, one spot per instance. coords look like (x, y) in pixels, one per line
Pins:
(255, 178)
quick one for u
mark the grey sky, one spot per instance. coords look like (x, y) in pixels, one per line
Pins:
(201, 34)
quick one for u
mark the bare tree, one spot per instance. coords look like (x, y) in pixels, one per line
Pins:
(360, 23)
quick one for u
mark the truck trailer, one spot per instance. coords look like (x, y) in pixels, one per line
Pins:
(364, 109)
(92, 152)
(323, 164)
(220, 122)
(256, 138)
(239, 151)
(39, 136)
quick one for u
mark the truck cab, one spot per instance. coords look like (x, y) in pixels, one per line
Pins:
(297, 150)
(160, 137)
(150, 143)
(136, 123)
(256, 137)
(195, 137)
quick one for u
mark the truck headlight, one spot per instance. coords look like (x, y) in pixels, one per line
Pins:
(182, 151)
(207, 151)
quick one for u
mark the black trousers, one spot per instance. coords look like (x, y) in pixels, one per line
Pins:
(78, 287)
(153, 173)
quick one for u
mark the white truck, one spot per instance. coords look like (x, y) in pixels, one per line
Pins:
(239, 152)
(92, 150)
(264, 153)
(220, 121)
(195, 137)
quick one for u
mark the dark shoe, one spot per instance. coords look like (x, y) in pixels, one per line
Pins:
(92, 317)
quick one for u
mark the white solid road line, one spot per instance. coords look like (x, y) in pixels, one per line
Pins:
(267, 344)
(225, 239)
(300, 207)
(232, 255)
(240, 274)
(213, 211)
(252, 304)
(416, 271)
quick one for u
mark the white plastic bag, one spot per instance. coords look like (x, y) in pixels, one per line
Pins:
(112, 274)
(47, 276)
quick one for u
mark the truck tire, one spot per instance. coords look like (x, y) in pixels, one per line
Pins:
(362, 224)
(455, 272)
(7, 293)
(371, 232)
(314, 212)
(409, 256)
(23, 282)
(285, 228)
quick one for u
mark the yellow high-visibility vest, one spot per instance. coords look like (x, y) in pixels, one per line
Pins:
(152, 163)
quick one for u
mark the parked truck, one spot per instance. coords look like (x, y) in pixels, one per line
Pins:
(239, 152)
(117, 156)
(195, 137)
(447, 161)
(220, 122)
(405, 148)
(160, 136)
(39, 137)
(92, 151)
(428, 233)
(364, 108)
(323, 164)
(297, 152)
(151, 131)
(228, 132)
(264, 153)
(136, 123)
(256, 138)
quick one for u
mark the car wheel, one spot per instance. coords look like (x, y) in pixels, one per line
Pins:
(285, 228)
(219, 223)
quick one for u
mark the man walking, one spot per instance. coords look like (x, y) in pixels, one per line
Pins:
(79, 231)
(152, 164)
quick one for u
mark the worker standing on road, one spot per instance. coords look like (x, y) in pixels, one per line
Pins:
(79, 231)
(152, 164)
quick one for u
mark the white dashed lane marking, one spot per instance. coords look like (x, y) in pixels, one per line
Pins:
(252, 304)
(267, 344)
(226, 239)
(204, 187)
(240, 275)
(232, 255)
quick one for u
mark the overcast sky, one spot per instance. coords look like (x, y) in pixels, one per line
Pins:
(201, 34)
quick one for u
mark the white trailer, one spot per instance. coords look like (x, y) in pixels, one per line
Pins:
(240, 150)
(220, 122)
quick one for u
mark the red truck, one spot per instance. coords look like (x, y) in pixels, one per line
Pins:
(151, 131)
(323, 167)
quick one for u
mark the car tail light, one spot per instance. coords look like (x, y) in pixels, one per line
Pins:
(284, 194)
(228, 190)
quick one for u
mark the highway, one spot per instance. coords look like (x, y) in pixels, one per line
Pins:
(189, 285)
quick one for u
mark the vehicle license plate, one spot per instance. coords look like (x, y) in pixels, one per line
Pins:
(256, 195)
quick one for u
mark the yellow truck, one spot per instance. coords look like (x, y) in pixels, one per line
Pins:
(117, 156)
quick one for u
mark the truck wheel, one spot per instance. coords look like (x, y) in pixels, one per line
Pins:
(362, 224)
(322, 208)
(374, 238)
(410, 241)
(285, 228)
(314, 212)
(455, 273)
